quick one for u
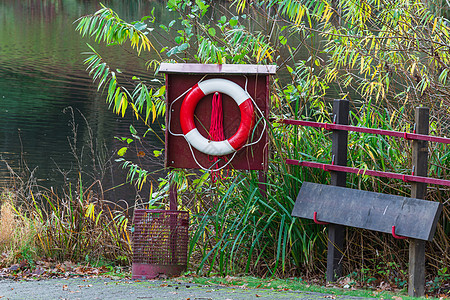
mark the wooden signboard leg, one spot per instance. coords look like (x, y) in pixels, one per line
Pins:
(262, 184)
(416, 285)
(336, 233)
(173, 195)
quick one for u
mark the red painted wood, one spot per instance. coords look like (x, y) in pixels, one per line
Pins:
(405, 135)
(406, 178)
(178, 154)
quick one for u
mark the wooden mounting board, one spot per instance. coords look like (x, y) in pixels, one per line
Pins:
(178, 152)
(411, 217)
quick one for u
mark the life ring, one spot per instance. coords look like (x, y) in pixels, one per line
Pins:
(190, 131)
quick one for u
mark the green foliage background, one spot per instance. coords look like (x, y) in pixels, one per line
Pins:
(386, 57)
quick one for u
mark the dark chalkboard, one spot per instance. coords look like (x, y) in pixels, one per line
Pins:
(411, 217)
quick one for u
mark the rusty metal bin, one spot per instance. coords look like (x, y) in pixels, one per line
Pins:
(160, 243)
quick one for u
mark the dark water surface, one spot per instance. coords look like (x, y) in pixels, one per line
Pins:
(42, 73)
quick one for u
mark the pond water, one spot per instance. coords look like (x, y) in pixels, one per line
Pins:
(46, 95)
(43, 80)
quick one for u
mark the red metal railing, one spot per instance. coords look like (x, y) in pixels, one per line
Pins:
(337, 168)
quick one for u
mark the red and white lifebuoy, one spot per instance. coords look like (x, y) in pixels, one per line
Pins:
(191, 133)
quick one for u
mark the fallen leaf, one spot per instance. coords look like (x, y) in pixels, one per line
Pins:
(38, 271)
(23, 263)
(257, 296)
(345, 280)
(14, 268)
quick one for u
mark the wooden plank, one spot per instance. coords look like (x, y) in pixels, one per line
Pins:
(190, 68)
(336, 233)
(173, 195)
(416, 284)
(177, 150)
(412, 217)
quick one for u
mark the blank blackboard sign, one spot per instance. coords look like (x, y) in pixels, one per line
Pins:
(414, 218)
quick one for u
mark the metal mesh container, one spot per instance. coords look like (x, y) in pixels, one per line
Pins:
(160, 242)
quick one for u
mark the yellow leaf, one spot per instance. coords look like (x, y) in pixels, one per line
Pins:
(154, 112)
(268, 55)
(124, 104)
(90, 211)
(142, 182)
(258, 53)
(150, 194)
(392, 117)
(241, 6)
(362, 65)
(413, 67)
(300, 13)
(374, 73)
(327, 7)
(135, 110)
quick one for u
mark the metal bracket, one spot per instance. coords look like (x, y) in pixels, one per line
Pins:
(318, 222)
(397, 236)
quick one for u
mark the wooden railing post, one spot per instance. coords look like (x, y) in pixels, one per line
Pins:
(416, 286)
(336, 233)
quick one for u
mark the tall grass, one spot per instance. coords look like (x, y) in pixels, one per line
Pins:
(247, 231)
(74, 222)
(17, 236)
(80, 226)
(75, 226)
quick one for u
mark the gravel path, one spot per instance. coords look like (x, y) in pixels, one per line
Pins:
(105, 288)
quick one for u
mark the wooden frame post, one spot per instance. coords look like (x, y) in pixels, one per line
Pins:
(262, 177)
(336, 233)
(416, 285)
(173, 196)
